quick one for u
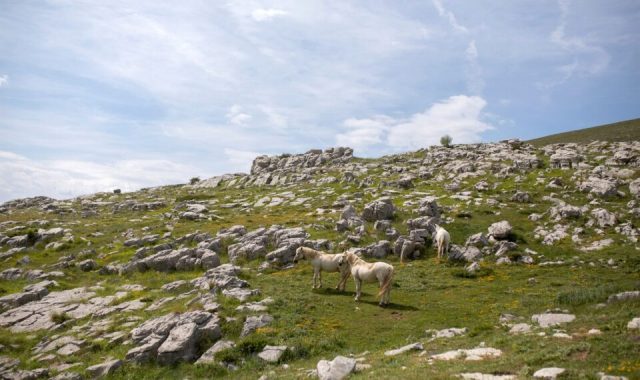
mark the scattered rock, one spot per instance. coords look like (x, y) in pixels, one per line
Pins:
(500, 230)
(272, 354)
(548, 373)
(552, 319)
(402, 350)
(104, 369)
(252, 323)
(337, 369)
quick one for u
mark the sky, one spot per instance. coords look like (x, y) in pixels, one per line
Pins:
(126, 94)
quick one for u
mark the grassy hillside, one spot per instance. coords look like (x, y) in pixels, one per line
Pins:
(622, 131)
(322, 323)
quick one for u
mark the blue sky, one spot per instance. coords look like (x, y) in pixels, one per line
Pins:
(99, 95)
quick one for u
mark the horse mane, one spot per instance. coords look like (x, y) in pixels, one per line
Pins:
(307, 250)
(353, 258)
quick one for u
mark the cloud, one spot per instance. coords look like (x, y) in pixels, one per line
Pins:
(260, 14)
(236, 116)
(364, 134)
(4, 79)
(240, 160)
(449, 16)
(475, 81)
(586, 58)
(460, 117)
(21, 176)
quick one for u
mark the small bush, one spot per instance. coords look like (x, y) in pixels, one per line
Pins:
(194, 180)
(59, 317)
(446, 141)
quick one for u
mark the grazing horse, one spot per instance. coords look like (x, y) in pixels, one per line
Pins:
(322, 261)
(369, 272)
(442, 239)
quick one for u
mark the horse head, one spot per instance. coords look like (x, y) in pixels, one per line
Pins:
(299, 255)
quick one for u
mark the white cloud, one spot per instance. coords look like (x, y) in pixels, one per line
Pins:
(364, 134)
(4, 79)
(21, 176)
(261, 14)
(586, 58)
(453, 21)
(236, 116)
(475, 81)
(461, 117)
(240, 160)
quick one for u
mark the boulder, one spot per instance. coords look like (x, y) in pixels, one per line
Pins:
(604, 218)
(272, 354)
(252, 323)
(104, 369)
(379, 209)
(500, 230)
(552, 319)
(549, 373)
(600, 187)
(402, 350)
(336, 369)
(179, 345)
(209, 355)
(634, 188)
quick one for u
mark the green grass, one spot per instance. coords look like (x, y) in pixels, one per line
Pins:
(628, 130)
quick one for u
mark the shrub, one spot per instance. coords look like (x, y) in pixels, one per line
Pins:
(59, 317)
(446, 141)
(194, 180)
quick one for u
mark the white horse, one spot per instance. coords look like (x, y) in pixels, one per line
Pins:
(442, 239)
(369, 272)
(322, 261)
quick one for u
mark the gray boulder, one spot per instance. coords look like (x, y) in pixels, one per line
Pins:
(179, 345)
(272, 354)
(379, 209)
(604, 218)
(252, 323)
(600, 187)
(500, 230)
(337, 369)
(104, 369)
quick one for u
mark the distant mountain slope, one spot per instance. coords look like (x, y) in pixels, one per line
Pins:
(620, 131)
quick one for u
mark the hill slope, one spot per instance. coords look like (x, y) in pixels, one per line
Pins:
(161, 278)
(622, 131)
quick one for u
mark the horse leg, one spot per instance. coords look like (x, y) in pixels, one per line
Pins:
(315, 277)
(343, 281)
(320, 278)
(358, 287)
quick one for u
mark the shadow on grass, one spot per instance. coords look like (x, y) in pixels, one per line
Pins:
(351, 294)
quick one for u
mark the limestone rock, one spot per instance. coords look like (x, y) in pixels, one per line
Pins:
(552, 319)
(401, 350)
(500, 230)
(104, 369)
(252, 323)
(336, 369)
(548, 373)
(379, 209)
(272, 354)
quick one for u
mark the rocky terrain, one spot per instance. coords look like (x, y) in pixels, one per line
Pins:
(542, 279)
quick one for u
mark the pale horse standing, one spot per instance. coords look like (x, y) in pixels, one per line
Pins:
(442, 240)
(363, 271)
(322, 261)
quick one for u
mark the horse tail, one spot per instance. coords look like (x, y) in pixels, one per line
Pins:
(387, 283)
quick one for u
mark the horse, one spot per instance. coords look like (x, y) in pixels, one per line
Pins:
(442, 240)
(369, 272)
(322, 261)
